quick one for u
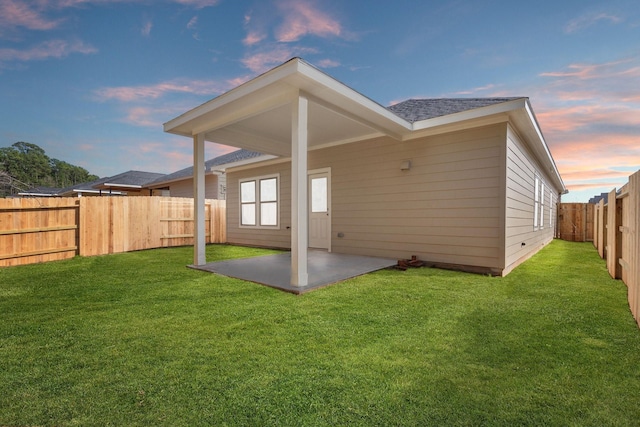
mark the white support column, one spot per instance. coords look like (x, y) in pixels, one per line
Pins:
(199, 257)
(299, 203)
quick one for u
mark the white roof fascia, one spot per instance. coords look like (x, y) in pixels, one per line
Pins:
(460, 125)
(117, 193)
(536, 126)
(106, 184)
(476, 113)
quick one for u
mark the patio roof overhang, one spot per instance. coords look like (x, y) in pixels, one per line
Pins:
(257, 114)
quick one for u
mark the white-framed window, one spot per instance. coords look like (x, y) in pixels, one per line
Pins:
(541, 205)
(259, 202)
(551, 203)
(536, 202)
(538, 205)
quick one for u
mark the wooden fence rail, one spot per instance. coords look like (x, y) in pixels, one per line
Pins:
(39, 230)
(617, 237)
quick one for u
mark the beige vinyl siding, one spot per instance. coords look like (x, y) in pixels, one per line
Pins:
(272, 238)
(521, 175)
(184, 188)
(447, 208)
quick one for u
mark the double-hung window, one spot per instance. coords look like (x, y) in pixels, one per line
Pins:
(538, 204)
(259, 200)
(541, 205)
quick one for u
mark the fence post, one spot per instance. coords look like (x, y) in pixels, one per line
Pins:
(602, 229)
(633, 282)
(612, 233)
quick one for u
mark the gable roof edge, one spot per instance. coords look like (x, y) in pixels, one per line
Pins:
(476, 113)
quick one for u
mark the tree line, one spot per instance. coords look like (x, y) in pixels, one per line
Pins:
(29, 164)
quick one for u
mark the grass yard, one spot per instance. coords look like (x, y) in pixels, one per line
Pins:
(139, 339)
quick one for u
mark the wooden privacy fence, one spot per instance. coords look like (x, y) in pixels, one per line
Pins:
(38, 230)
(617, 237)
(575, 222)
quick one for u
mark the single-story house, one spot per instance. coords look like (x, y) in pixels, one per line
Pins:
(180, 183)
(469, 183)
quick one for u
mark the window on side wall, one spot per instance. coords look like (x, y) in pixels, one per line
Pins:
(536, 203)
(551, 203)
(259, 202)
(541, 222)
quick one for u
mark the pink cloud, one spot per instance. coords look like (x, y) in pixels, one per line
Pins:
(253, 37)
(476, 90)
(262, 61)
(15, 14)
(136, 93)
(49, 49)
(197, 4)
(143, 116)
(328, 63)
(302, 18)
(582, 22)
(591, 71)
(565, 119)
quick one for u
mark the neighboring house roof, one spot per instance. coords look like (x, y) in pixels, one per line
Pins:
(128, 180)
(596, 199)
(225, 159)
(85, 187)
(414, 110)
(40, 192)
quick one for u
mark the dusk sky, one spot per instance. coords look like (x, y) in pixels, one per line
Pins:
(92, 81)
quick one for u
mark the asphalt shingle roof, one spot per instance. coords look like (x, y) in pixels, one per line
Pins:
(133, 178)
(232, 157)
(414, 110)
(86, 186)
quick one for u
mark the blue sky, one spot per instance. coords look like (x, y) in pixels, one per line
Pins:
(92, 81)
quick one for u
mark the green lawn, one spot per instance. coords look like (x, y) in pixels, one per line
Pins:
(139, 339)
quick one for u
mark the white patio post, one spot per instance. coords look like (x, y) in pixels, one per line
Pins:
(299, 218)
(199, 257)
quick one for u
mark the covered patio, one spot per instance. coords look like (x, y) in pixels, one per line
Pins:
(285, 112)
(324, 269)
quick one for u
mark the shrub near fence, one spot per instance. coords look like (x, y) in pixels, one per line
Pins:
(47, 229)
(617, 237)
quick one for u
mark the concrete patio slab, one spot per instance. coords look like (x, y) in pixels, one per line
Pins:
(324, 269)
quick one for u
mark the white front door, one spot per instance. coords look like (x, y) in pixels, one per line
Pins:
(320, 209)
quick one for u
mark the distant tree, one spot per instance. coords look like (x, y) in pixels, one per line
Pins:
(35, 165)
(64, 174)
(30, 164)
